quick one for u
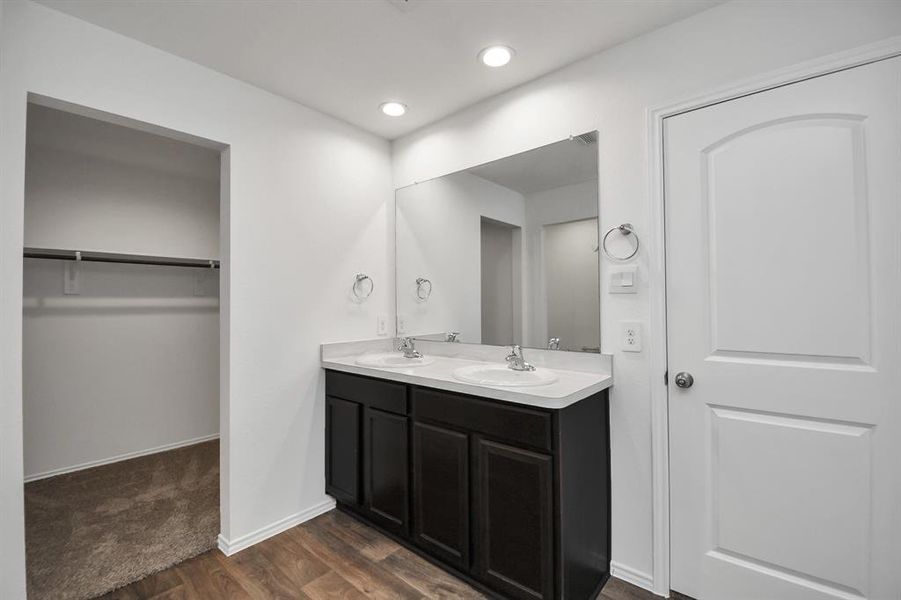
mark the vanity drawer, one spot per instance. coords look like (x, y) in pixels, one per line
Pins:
(511, 423)
(376, 393)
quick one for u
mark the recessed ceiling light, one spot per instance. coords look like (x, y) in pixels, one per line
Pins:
(393, 109)
(496, 56)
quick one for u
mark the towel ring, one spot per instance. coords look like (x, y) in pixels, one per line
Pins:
(625, 229)
(360, 289)
(423, 288)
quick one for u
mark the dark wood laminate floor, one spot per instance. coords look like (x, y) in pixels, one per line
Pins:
(330, 557)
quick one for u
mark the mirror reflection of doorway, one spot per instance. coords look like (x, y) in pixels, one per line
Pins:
(501, 287)
(440, 226)
(571, 283)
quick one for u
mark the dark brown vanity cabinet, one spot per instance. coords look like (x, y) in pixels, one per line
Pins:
(386, 489)
(515, 504)
(367, 448)
(441, 498)
(342, 449)
(514, 499)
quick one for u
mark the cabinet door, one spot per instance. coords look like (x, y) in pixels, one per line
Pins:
(441, 493)
(515, 545)
(386, 469)
(342, 449)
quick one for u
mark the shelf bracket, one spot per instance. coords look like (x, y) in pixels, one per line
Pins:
(71, 279)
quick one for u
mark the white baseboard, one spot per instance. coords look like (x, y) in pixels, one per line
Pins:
(229, 547)
(120, 457)
(633, 576)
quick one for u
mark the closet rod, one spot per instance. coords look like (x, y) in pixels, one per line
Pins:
(112, 257)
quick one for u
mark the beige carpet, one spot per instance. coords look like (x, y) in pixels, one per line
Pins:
(95, 530)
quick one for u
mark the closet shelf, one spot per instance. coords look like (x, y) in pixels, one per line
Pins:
(113, 257)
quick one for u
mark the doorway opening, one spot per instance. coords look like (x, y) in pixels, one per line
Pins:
(570, 268)
(501, 261)
(121, 349)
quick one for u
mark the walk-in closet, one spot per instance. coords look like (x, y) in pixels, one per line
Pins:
(120, 351)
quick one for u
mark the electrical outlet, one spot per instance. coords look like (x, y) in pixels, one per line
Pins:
(631, 336)
(401, 324)
(381, 324)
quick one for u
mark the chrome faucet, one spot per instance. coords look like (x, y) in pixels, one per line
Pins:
(516, 361)
(451, 336)
(553, 343)
(408, 347)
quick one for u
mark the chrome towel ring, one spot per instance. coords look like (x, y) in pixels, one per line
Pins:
(362, 287)
(626, 230)
(423, 288)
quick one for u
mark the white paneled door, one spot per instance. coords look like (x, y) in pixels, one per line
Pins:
(784, 304)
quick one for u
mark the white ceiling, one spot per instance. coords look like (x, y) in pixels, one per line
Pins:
(545, 168)
(345, 57)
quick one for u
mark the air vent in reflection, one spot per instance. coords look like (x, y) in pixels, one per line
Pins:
(587, 139)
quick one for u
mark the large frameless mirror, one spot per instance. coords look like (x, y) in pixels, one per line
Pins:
(504, 253)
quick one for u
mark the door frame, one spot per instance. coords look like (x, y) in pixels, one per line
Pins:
(71, 107)
(882, 50)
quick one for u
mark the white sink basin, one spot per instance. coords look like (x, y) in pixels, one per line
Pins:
(504, 376)
(392, 360)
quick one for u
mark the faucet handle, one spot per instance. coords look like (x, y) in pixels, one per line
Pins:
(408, 347)
(515, 355)
(517, 360)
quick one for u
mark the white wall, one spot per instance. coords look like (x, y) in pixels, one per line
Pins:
(92, 185)
(438, 237)
(302, 187)
(129, 365)
(611, 92)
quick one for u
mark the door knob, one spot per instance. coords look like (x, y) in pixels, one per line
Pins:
(684, 380)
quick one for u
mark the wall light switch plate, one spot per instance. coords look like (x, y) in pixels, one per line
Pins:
(381, 324)
(624, 281)
(401, 324)
(631, 336)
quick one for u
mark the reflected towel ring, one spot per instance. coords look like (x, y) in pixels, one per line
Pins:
(423, 288)
(360, 289)
(625, 229)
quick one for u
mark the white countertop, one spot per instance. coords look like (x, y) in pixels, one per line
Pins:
(570, 387)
